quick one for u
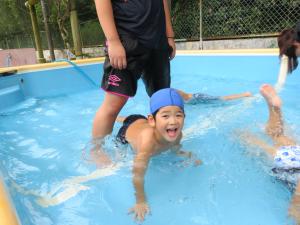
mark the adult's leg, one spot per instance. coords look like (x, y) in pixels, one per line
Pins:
(156, 74)
(274, 126)
(107, 113)
(103, 124)
(122, 82)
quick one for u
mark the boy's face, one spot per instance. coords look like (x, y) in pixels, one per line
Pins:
(169, 122)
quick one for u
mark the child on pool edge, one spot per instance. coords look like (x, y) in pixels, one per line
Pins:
(159, 132)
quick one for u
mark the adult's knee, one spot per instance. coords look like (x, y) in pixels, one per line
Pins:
(112, 109)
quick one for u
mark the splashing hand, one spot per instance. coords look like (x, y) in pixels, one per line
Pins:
(140, 210)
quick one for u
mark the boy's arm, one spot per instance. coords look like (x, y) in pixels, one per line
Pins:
(116, 51)
(140, 166)
(169, 29)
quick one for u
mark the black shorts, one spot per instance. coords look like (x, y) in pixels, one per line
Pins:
(127, 122)
(152, 65)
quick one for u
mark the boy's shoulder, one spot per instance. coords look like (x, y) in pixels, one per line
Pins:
(147, 133)
(147, 136)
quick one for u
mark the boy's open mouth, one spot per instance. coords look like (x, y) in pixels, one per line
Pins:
(172, 132)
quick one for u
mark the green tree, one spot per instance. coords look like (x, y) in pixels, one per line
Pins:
(13, 17)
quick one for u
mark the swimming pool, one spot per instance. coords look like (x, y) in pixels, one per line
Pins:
(45, 130)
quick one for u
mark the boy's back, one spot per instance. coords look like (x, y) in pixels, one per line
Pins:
(140, 133)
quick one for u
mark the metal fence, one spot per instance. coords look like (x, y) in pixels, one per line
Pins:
(215, 19)
(194, 20)
(90, 31)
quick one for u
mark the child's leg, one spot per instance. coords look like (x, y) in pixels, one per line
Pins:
(185, 96)
(274, 126)
(236, 96)
(294, 210)
(107, 114)
(188, 96)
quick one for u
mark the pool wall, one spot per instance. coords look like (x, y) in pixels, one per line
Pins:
(48, 80)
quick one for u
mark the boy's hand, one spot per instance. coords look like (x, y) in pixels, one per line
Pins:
(191, 158)
(140, 210)
(117, 54)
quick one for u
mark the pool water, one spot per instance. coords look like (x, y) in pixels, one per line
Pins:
(44, 144)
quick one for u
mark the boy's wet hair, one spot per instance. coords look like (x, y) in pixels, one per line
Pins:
(286, 40)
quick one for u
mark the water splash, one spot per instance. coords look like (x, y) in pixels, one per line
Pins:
(68, 188)
(283, 71)
(203, 124)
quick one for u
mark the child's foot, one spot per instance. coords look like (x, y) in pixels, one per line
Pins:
(269, 93)
(247, 94)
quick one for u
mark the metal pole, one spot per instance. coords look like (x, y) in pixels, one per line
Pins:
(6, 42)
(18, 41)
(36, 33)
(45, 10)
(75, 29)
(200, 26)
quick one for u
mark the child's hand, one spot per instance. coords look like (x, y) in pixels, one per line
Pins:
(140, 210)
(191, 158)
(117, 55)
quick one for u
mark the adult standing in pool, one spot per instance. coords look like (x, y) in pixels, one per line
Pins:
(139, 44)
(289, 50)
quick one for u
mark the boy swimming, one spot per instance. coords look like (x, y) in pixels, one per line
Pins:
(160, 131)
(284, 152)
(199, 97)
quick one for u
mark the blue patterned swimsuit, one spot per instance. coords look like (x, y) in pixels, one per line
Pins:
(287, 163)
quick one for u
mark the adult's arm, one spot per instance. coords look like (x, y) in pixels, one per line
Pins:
(116, 51)
(169, 29)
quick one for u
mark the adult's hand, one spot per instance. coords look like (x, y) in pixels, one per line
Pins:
(171, 42)
(117, 54)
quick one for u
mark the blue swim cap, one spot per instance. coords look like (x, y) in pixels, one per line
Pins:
(165, 97)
